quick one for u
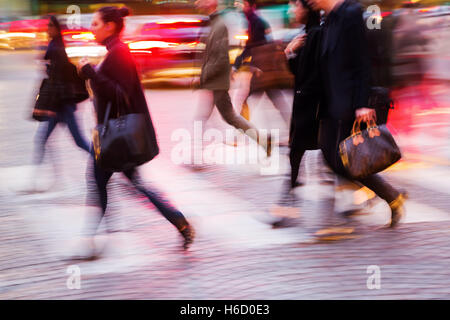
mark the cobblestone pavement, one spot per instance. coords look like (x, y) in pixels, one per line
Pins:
(236, 255)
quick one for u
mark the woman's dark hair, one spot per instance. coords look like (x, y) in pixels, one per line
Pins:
(55, 23)
(313, 16)
(116, 15)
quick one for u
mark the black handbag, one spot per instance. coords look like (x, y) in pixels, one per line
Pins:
(47, 101)
(124, 142)
(78, 90)
(368, 151)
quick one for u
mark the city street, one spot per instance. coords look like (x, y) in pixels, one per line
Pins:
(237, 254)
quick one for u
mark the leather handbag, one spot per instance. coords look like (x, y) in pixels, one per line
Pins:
(47, 101)
(368, 151)
(271, 60)
(123, 142)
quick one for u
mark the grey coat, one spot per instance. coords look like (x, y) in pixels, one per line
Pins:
(215, 74)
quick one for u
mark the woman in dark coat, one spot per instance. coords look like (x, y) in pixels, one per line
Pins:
(117, 73)
(60, 78)
(302, 53)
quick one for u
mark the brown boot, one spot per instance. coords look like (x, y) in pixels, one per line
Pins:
(188, 234)
(397, 209)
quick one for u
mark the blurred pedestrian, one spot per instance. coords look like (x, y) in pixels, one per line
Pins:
(410, 57)
(215, 77)
(303, 56)
(345, 76)
(261, 56)
(116, 74)
(57, 105)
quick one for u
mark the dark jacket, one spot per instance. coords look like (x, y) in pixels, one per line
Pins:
(256, 32)
(115, 74)
(56, 54)
(345, 65)
(55, 91)
(345, 77)
(215, 74)
(305, 67)
(59, 73)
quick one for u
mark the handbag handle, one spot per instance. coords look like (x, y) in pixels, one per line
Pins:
(356, 127)
(120, 93)
(105, 120)
(356, 131)
(371, 123)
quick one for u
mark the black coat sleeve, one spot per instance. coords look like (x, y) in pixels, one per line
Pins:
(358, 49)
(293, 62)
(118, 75)
(58, 69)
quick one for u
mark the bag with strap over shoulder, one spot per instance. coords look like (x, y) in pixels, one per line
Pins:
(47, 101)
(79, 92)
(271, 60)
(368, 151)
(124, 142)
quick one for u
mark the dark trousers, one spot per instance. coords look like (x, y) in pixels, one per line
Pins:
(67, 116)
(295, 158)
(331, 133)
(99, 197)
(221, 99)
(223, 103)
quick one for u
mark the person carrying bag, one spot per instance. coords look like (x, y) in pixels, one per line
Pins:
(124, 137)
(56, 100)
(345, 79)
(122, 142)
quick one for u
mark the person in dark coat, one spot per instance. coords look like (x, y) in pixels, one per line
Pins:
(117, 73)
(60, 80)
(345, 78)
(303, 54)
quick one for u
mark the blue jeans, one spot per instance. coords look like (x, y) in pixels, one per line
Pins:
(97, 195)
(67, 116)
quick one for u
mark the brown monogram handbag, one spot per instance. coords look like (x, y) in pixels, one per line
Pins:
(368, 151)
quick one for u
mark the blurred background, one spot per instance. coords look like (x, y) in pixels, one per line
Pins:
(227, 203)
(164, 35)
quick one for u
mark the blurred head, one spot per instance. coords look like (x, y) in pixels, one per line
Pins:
(304, 14)
(326, 5)
(108, 21)
(249, 6)
(53, 27)
(206, 6)
(298, 11)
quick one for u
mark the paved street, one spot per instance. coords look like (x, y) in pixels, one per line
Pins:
(237, 255)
